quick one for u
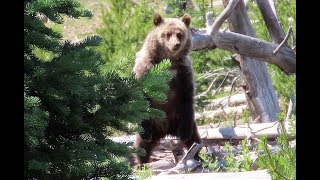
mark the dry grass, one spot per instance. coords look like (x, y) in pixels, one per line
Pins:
(77, 29)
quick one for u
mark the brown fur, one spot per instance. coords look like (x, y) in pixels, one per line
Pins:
(170, 38)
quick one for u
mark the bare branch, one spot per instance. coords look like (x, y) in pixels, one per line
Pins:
(232, 85)
(245, 45)
(290, 108)
(256, 48)
(209, 88)
(223, 16)
(221, 84)
(224, 29)
(202, 41)
(255, 120)
(284, 40)
(209, 21)
(269, 15)
(210, 73)
(235, 119)
(191, 152)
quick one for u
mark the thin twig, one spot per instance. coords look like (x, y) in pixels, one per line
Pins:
(248, 127)
(255, 120)
(220, 84)
(224, 29)
(209, 88)
(234, 119)
(253, 132)
(290, 108)
(224, 112)
(219, 122)
(223, 16)
(210, 73)
(205, 132)
(284, 40)
(227, 97)
(232, 85)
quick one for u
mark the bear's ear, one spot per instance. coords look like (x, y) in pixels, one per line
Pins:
(157, 19)
(186, 19)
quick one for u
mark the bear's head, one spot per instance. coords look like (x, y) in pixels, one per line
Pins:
(173, 33)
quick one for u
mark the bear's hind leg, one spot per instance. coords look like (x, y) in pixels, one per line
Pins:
(148, 146)
(195, 137)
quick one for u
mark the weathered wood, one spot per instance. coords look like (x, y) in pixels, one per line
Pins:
(186, 164)
(191, 153)
(258, 175)
(222, 17)
(161, 165)
(285, 59)
(243, 131)
(290, 107)
(209, 38)
(226, 133)
(269, 16)
(202, 41)
(261, 97)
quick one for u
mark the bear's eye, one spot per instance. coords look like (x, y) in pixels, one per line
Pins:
(179, 35)
(168, 35)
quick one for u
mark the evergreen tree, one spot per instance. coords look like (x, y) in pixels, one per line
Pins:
(282, 163)
(125, 25)
(70, 107)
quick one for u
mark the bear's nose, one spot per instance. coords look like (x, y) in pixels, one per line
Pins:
(176, 46)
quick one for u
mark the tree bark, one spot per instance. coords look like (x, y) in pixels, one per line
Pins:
(261, 97)
(269, 16)
(248, 46)
(210, 38)
(270, 130)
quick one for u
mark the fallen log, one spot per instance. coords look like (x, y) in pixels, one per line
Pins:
(226, 133)
(243, 131)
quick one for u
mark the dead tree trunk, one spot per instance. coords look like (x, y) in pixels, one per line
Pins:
(252, 53)
(260, 93)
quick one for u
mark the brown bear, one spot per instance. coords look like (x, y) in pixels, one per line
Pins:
(171, 39)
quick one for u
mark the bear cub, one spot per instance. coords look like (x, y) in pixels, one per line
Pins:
(170, 38)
